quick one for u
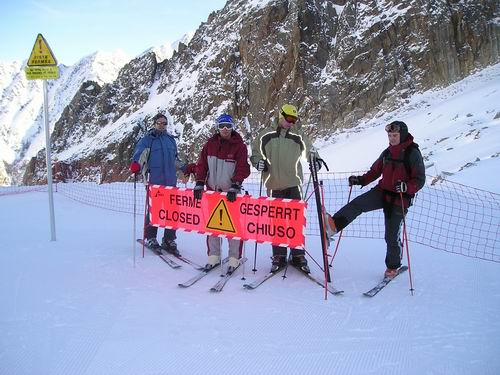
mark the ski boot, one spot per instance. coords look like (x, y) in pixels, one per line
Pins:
(170, 247)
(331, 228)
(233, 263)
(213, 261)
(153, 244)
(390, 273)
(300, 262)
(278, 262)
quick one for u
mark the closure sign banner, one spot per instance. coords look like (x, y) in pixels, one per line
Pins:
(266, 220)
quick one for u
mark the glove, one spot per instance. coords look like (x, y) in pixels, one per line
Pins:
(261, 165)
(354, 180)
(233, 192)
(319, 163)
(135, 167)
(198, 190)
(190, 168)
(401, 187)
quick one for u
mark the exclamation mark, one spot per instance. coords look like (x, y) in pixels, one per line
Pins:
(40, 45)
(220, 217)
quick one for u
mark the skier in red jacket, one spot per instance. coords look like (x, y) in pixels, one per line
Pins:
(223, 166)
(402, 169)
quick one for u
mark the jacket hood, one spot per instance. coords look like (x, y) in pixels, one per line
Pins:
(395, 150)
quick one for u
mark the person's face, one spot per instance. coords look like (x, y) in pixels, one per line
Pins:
(161, 124)
(394, 138)
(287, 121)
(225, 131)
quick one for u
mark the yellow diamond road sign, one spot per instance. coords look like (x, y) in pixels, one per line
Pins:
(41, 54)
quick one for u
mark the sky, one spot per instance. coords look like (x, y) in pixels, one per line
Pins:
(74, 29)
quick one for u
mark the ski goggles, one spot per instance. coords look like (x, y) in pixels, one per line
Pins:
(289, 119)
(225, 125)
(393, 128)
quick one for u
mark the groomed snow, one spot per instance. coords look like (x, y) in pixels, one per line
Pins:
(80, 306)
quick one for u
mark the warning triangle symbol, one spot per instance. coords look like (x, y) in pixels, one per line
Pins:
(220, 219)
(41, 54)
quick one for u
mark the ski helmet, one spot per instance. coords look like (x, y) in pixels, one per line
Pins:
(225, 119)
(288, 110)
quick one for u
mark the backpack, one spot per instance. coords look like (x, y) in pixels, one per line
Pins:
(386, 156)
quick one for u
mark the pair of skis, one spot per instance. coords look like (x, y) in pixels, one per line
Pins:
(267, 276)
(371, 293)
(167, 258)
(220, 284)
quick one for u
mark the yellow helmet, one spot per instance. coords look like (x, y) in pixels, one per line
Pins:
(289, 110)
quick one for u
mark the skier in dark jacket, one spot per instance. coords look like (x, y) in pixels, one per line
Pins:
(156, 154)
(222, 166)
(402, 169)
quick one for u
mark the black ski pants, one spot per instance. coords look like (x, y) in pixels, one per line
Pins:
(290, 193)
(151, 232)
(393, 217)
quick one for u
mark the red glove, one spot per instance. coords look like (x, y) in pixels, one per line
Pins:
(135, 167)
(190, 168)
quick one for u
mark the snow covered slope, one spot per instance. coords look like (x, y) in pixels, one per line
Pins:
(457, 128)
(79, 306)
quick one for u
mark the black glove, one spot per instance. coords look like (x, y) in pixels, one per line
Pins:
(354, 180)
(261, 165)
(198, 189)
(401, 187)
(319, 163)
(233, 191)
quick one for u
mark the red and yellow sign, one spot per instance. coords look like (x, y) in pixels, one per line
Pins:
(267, 220)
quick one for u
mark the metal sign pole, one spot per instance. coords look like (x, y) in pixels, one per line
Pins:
(49, 161)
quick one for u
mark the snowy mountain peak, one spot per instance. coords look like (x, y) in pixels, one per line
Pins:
(165, 51)
(21, 102)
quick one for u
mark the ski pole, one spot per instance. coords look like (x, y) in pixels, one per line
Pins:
(135, 219)
(244, 246)
(220, 257)
(146, 206)
(245, 243)
(340, 234)
(255, 250)
(405, 239)
(286, 265)
(328, 275)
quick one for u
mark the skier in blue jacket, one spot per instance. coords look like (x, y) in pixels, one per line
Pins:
(156, 154)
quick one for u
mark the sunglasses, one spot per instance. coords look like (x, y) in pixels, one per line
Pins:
(227, 126)
(393, 128)
(290, 119)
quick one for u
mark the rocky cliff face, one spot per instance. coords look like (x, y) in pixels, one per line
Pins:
(338, 61)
